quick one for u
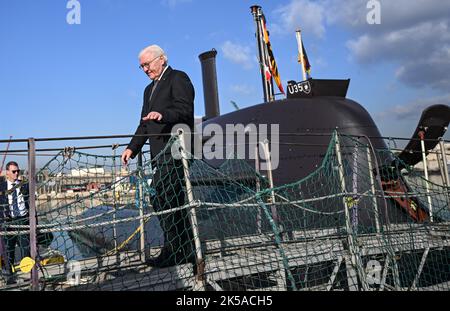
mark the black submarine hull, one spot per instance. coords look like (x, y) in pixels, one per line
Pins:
(305, 126)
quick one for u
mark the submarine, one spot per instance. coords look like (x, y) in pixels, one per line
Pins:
(306, 119)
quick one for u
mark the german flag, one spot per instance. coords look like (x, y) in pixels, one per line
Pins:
(272, 64)
(306, 64)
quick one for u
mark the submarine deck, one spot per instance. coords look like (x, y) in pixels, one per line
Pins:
(236, 258)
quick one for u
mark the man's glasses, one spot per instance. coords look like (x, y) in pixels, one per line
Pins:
(147, 64)
(15, 171)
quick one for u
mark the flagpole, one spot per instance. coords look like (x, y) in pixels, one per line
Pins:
(256, 12)
(267, 64)
(298, 34)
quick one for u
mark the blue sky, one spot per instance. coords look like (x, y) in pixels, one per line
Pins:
(74, 80)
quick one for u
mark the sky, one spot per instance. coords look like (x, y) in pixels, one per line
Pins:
(59, 79)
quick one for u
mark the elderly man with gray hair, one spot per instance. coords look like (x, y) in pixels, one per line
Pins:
(168, 100)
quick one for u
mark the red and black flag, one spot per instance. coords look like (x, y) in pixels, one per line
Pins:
(272, 66)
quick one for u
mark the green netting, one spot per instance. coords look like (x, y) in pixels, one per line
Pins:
(361, 221)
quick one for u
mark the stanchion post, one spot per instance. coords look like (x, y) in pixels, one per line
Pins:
(372, 189)
(113, 177)
(425, 170)
(141, 206)
(200, 278)
(32, 211)
(343, 189)
(258, 188)
(265, 146)
(353, 248)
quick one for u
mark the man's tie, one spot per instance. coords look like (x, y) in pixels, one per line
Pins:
(153, 89)
(16, 212)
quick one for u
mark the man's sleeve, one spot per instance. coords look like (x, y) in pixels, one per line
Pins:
(182, 109)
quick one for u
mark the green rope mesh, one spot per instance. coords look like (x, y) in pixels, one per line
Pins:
(363, 220)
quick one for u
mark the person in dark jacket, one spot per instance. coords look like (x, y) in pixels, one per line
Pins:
(168, 101)
(14, 210)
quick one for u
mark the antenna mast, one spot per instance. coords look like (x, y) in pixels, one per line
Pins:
(301, 60)
(263, 55)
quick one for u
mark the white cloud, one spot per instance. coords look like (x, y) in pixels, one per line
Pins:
(350, 13)
(238, 54)
(314, 15)
(304, 14)
(413, 110)
(413, 42)
(421, 51)
(398, 14)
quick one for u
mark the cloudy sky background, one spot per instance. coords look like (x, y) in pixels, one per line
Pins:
(73, 80)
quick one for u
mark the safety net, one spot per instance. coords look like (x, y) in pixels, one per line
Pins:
(363, 220)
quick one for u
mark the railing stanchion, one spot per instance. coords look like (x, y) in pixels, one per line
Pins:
(425, 170)
(372, 189)
(352, 246)
(141, 207)
(32, 211)
(199, 277)
(113, 180)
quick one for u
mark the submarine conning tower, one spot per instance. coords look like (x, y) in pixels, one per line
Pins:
(312, 111)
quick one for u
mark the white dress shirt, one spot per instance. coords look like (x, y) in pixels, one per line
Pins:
(20, 200)
(162, 73)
